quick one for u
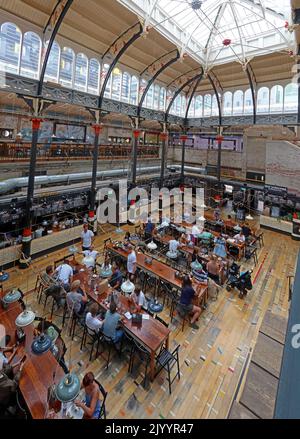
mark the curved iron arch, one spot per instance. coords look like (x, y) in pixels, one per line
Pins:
(117, 58)
(155, 76)
(51, 41)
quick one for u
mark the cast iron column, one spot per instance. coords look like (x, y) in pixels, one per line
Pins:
(27, 232)
(219, 140)
(164, 139)
(183, 139)
(92, 213)
(136, 135)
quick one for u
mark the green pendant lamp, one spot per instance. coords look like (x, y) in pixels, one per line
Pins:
(12, 297)
(68, 388)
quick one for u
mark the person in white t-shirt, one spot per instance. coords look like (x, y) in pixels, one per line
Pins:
(64, 273)
(87, 237)
(131, 261)
(138, 299)
(174, 245)
(93, 320)
(90, 257)
(240, 238)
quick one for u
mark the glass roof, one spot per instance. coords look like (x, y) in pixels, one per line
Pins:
(214, 32)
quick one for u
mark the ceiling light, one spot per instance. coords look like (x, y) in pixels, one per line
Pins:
(25, 319)
(68, 388)
(196, 4)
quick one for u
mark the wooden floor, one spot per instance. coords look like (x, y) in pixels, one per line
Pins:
(212, 358)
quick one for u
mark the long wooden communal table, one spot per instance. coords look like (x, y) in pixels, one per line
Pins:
(152, 334)
(38, 371)
(161, 271)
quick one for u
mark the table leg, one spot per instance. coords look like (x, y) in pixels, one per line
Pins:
(152, 365)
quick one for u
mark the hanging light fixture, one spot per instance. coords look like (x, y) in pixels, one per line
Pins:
(24, 319)
(127, 287)
(152, 246)
(3, 276)
(68, 388)
(12, 297)
(41, 344)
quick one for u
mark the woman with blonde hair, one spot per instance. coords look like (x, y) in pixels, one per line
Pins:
(213, 269)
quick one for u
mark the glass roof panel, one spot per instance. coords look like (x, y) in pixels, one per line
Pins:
(202, 26)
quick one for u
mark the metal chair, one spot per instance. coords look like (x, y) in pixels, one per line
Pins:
(102, 413)
(144, 356)
(168, 360)
(93, 336)
(105, 340)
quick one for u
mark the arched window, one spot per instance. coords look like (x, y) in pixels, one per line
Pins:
(227, 105)
(125, 87)
(169, 99)
(94, 76)
(116, 84)
(149, 97)
(192, 108)
(107, 92)
(214, 106)
(248, 102)
(31, 51)
(162, 99)
(52, 70)
(177, 109)
(238, 102)
(199, 106)
(183, 106)
(156, 97)
(207, 105)
(66, 74)
(276, 99)
(263, 100)
(10, 48)
(134, 88)
(291, 98)
(81, 72)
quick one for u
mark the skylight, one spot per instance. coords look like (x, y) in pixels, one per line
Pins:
(215, 32)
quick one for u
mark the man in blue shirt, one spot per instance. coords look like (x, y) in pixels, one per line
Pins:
(116, 278)
(111, 323)
(149, 228)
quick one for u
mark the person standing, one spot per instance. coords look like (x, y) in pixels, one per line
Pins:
(131, 262)
(87, 238)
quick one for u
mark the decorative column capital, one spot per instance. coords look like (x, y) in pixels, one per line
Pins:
(97, 129)
(163, 136)
(36, 123)
(136, 133)
(183, 137)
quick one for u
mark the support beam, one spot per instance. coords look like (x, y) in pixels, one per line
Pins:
(252, 82)
(57, 17)
(119, 54)
(164, 63)
(97, 130)
(135, 142)
(164, 150)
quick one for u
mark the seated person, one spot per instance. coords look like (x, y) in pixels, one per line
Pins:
(240, 238)
(111, 324)
(64, 273)
(229, 222)
(186, 298)
(174, 244)
(127, 238)
(196, 257)
(4, 360)
(9, 381)
(213, 269)
(93, 320)
(246, 230)
(220, 247)
(92, 404)
(138, 299)
(90, 257)
(116, 279)
(54, 289)
(184, 239)
(206, 237)
(149, 227)
(77, 298)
